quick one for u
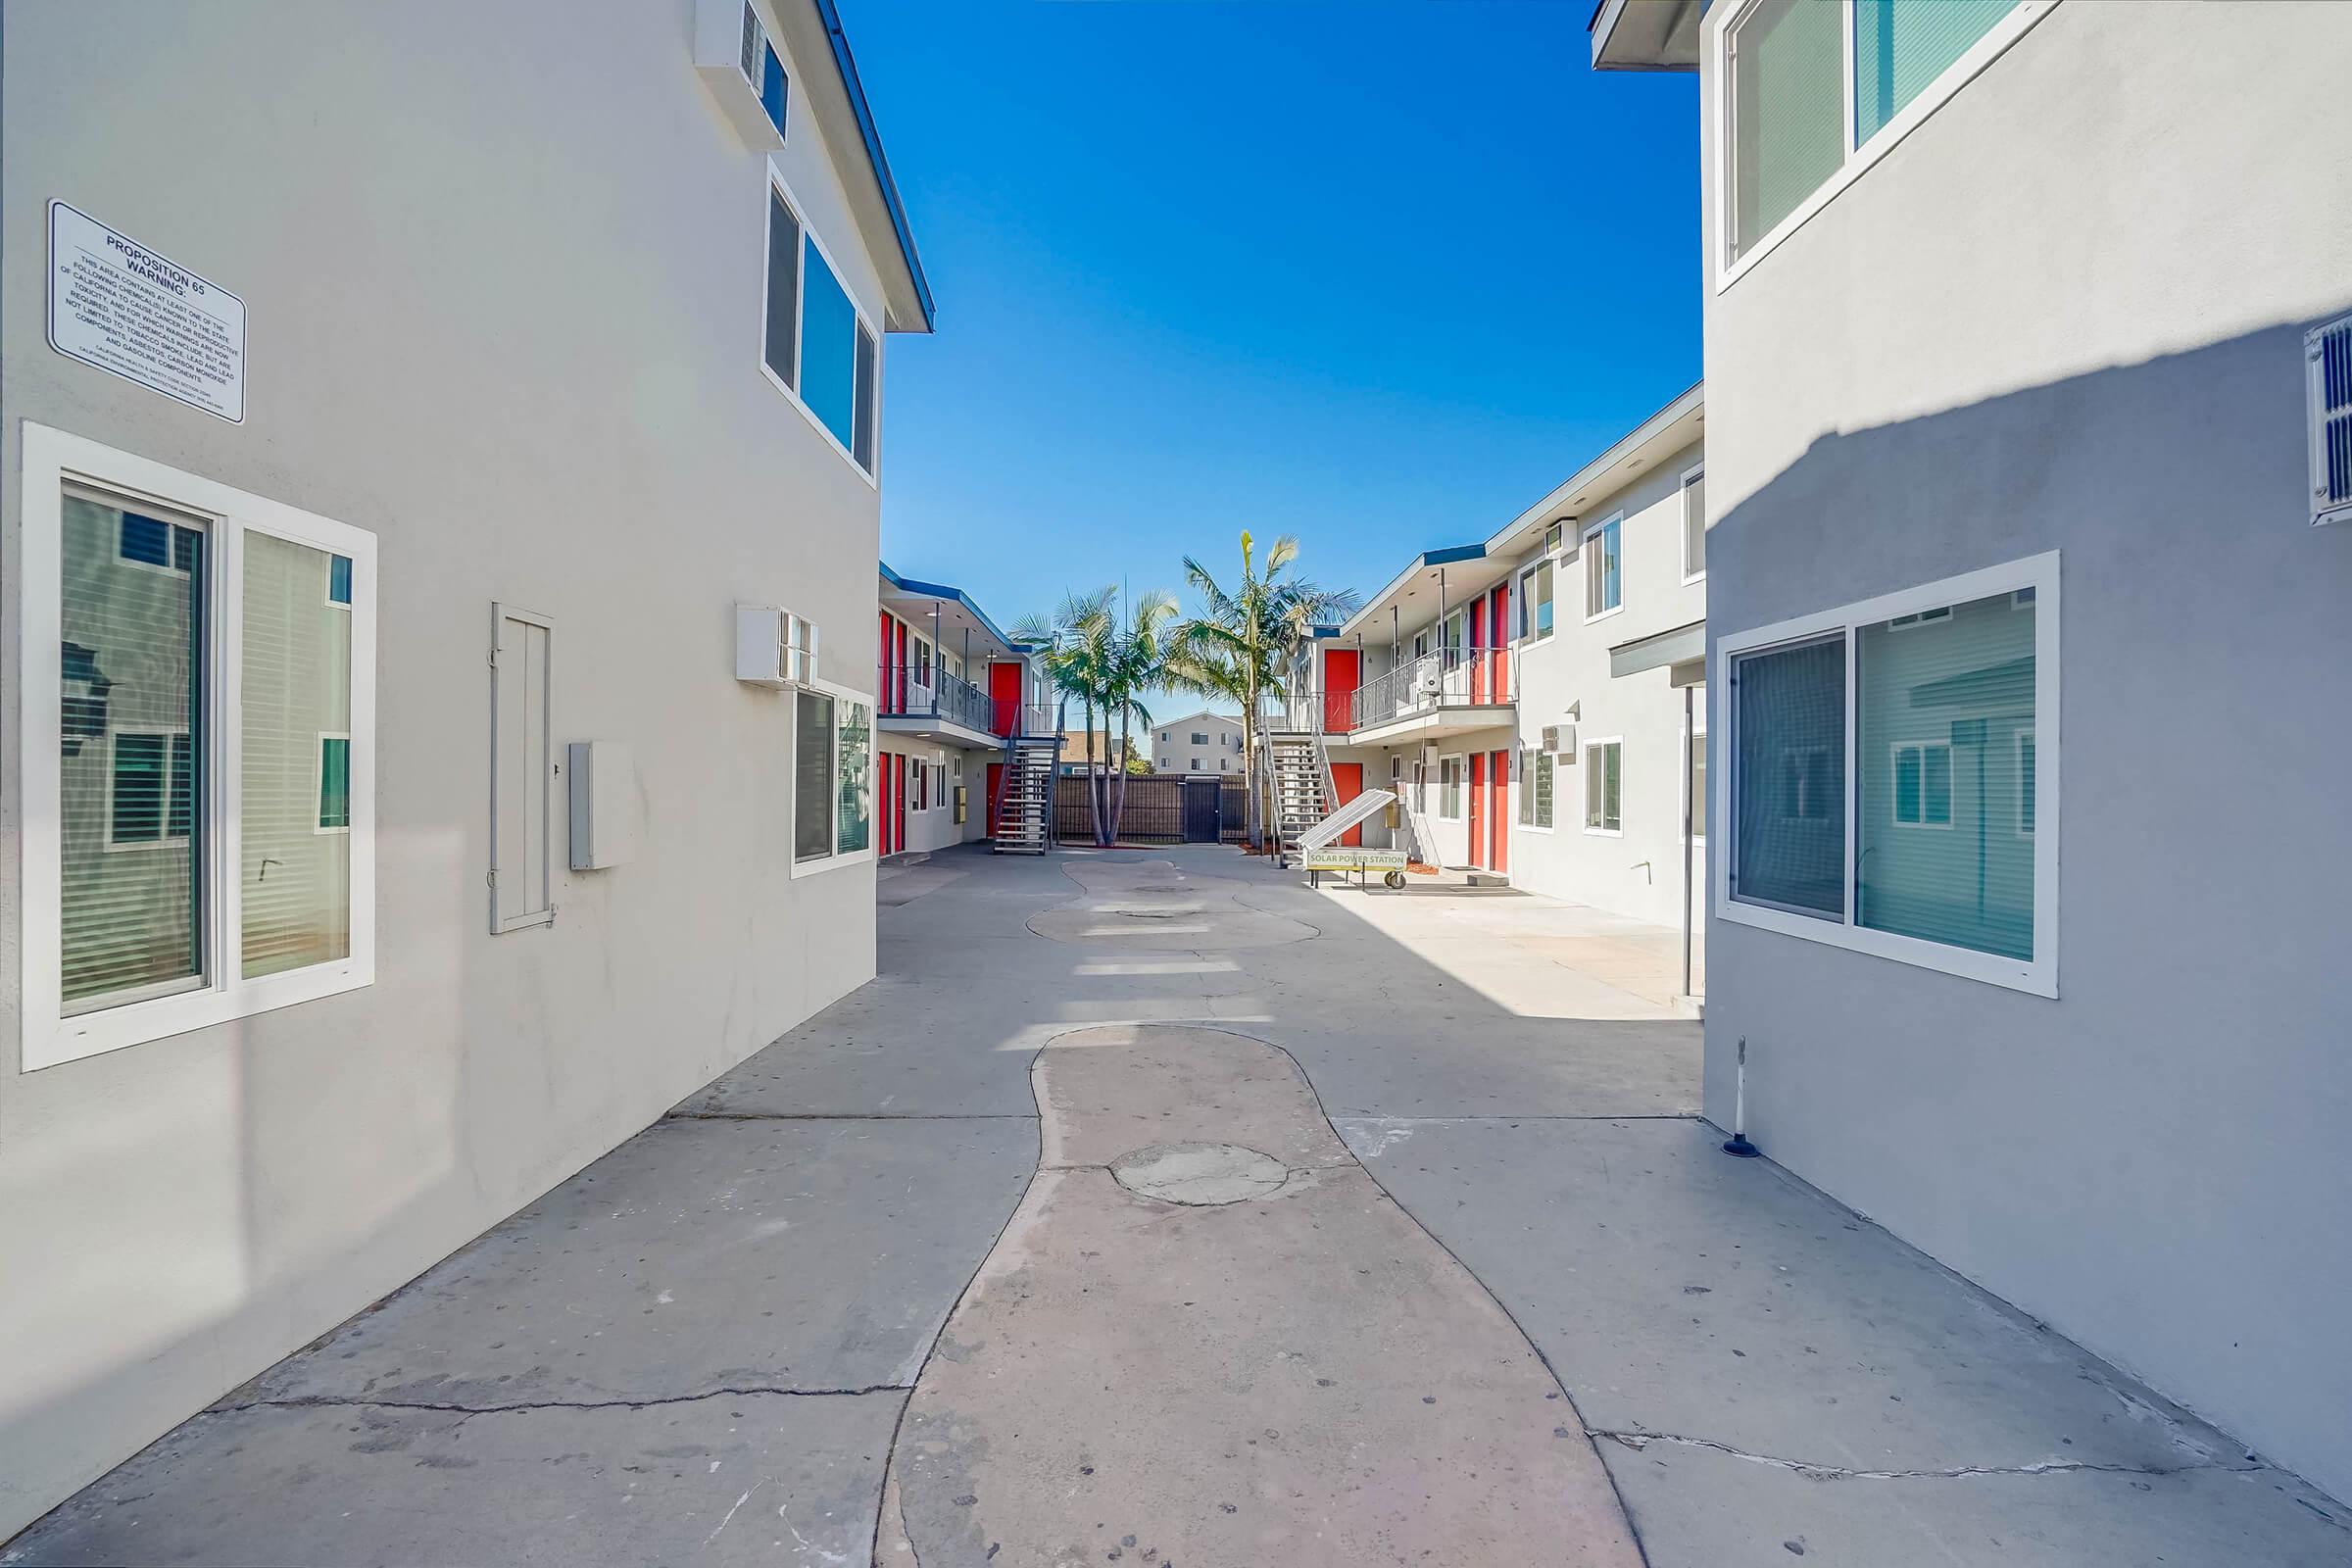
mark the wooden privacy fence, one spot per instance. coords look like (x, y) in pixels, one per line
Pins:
(1161, 809)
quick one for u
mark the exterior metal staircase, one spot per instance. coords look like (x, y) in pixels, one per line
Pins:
(1024, 822)
(1302, 788)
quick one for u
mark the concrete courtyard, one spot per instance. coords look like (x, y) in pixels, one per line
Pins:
(1152, 1208)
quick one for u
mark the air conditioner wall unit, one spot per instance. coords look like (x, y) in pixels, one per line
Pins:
(774, 647)
(1559, 737)
(744, 69)
(2327, 349)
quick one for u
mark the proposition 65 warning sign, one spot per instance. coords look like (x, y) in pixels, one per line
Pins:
(117, 305)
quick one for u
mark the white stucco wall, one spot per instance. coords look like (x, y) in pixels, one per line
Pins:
(503, 272)
(1638, 872)
(2065, 313)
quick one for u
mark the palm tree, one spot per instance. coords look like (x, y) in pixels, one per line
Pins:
(1253, 639)
(1076, 640)
(1137, 663)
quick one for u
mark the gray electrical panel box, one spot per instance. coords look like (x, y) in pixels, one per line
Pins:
(607, 817)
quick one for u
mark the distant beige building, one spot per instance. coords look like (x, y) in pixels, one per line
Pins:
(1198, 743)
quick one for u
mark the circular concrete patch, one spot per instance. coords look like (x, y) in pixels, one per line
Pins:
(1200, 1174)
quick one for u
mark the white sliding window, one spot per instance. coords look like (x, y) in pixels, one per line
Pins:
(1891, 764)
(816, 344)
(1815, 91)
(199, 752)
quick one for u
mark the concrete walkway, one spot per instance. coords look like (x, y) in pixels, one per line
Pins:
(706, 1347)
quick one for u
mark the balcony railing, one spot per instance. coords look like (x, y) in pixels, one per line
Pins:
(925, 691)
(1450, 677)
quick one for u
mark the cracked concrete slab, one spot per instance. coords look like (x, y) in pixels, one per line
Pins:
(1772, 1332)
(731, 1480)
(701, 1255)
(1304, 1378)
(1698, 1506)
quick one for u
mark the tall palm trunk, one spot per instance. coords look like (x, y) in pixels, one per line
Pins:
(1094, 801)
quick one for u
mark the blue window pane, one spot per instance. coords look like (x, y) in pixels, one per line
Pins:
(146, 539)
(771, 91)
(339, 581)
(334, 781)
(828, 348)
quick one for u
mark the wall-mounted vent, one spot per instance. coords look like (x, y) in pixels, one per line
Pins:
(2329, 350)
(739, 59)
(1560, 740)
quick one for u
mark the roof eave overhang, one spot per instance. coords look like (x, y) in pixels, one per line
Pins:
(1646, 35)
(838, 101)
(908, 588)
(1585, 493)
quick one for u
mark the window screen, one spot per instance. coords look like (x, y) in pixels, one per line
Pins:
(1945, 851)
(1605, 575)
(131, 724)
(521, 772)
(812, 803)
(1604, 787)
(780, 349)
(1788, 59)
(1788, 778)
(295, 882)
(1902, 45)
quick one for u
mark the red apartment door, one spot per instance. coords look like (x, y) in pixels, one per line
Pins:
(1347, 779)
(882, 663)
(996, 794)
(1004, 695)
(1499, 808)
(1477, 852)
(897, 803)
(1342, 669)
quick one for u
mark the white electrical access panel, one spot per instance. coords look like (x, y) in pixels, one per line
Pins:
(607, 816)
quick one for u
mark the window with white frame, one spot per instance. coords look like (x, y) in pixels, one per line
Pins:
(198, 728)
(1885, 781)
(818, 346)
(832, 778)
(1604, 786)
(1604, 568)
(1534, 786)
(1534, 602)
(1816, 90)
(1694, 525)
(1450, 788)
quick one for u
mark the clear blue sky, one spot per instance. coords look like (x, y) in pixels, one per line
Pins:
(1379, 274)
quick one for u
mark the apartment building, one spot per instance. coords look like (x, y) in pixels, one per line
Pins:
(2004, 300)
(1199, 744)
(1536, 699)
(951, 690)
(439, 522)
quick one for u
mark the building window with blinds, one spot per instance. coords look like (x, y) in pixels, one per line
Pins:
(199, 816)
(1799, 120)
(1928, 851)
(833, 779)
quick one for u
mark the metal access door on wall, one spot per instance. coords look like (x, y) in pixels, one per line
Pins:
(1204, 815)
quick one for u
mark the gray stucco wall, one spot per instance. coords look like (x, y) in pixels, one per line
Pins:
(503, 273)
(2065, 315)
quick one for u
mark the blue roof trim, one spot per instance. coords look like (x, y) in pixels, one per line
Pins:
(830, 15)
(941, 590)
